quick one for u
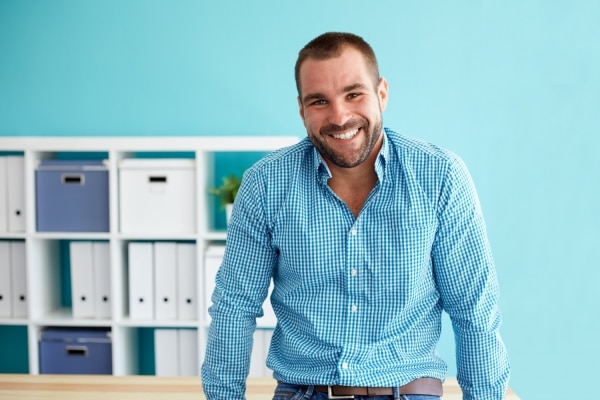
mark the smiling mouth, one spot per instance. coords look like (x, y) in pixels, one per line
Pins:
(346, 135)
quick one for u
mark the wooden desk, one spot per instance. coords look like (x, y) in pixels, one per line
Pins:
(106, 387)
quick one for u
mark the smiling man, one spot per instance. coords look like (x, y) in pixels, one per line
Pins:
(368, 236)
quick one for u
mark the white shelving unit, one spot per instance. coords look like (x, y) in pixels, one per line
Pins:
(43, 248)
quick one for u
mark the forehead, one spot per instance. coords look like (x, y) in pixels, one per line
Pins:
(349, 67)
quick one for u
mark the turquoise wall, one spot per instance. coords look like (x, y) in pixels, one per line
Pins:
(512, 86)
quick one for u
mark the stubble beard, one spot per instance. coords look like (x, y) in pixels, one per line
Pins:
(371, 136)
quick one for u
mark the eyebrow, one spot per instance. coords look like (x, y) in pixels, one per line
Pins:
(319, 96)
(353, 87)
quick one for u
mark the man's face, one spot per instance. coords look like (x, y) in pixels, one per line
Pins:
(341, 107)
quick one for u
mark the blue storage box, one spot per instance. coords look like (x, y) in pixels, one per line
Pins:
(71, 196)
(76, 351)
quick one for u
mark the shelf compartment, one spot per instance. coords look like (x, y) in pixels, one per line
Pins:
(14, 349)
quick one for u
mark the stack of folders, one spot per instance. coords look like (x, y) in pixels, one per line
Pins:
(162, 281)
(260, 350)
(176, 352)
(90, 279)
(13, 279)
(12, 194)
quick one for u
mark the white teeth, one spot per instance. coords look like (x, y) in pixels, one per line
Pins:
(346, 135)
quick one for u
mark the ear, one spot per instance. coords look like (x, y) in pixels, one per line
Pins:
(300, 108)
(382, 93)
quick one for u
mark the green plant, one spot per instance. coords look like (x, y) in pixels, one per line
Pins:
(228, 189)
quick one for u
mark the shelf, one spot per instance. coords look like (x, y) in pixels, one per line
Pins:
(12, 236)
(154, 144)
(216, 236)
(64, 317)
(13, 321)
(155, 236)
(70, 236)
(48, 259)
(153, 323)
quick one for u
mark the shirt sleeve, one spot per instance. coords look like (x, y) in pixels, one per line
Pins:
(466, 278)
(241, 287)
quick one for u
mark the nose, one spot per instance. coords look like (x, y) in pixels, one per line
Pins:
(339, 113)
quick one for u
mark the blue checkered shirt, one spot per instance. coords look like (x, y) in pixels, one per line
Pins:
(358, 300)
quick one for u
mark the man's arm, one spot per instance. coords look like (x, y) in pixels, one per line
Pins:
(241, 287)
(466, 278)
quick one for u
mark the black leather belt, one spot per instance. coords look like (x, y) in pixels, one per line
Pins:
(422, 386)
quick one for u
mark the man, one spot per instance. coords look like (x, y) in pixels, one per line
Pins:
(368, 235)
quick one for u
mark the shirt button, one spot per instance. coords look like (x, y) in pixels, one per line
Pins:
(344, 365)
(354, 308)
(353, 231)
(353, 272)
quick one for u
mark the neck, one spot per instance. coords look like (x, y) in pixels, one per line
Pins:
(353, 185)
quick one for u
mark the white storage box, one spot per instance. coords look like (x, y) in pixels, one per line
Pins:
(157, 196)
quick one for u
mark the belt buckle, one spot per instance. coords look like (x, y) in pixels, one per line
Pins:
(330, 395)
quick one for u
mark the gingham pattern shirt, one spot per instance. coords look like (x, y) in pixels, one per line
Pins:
(358, 300)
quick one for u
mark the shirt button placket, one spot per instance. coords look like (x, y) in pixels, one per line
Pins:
(353, 271)
(353, 233)
(353, 284)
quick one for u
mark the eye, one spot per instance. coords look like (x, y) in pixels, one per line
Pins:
(319, 102)
(353, 95)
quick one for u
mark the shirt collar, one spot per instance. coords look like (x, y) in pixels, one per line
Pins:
(321, 167)
(383, 157)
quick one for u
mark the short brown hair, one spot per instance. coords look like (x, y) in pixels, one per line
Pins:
(331, 44)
